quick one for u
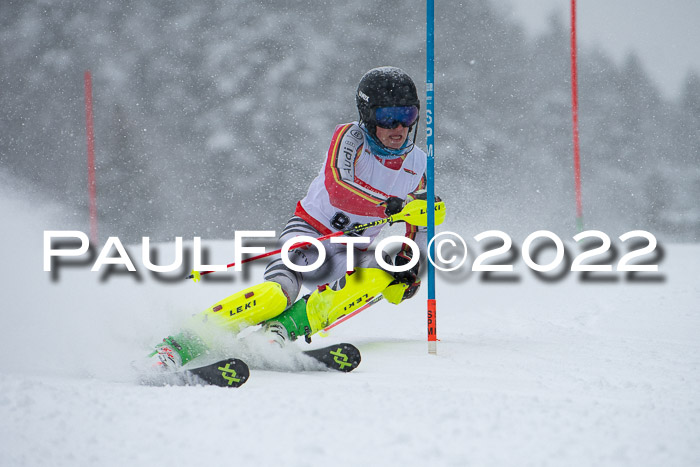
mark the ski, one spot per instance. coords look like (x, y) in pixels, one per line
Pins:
(234, 372)
(340, 357)
(229, 373)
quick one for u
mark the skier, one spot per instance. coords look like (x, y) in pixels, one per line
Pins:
(372, 169)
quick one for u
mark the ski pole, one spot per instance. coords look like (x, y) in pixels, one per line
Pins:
(413, 213)
(372, 301)
(197, 274)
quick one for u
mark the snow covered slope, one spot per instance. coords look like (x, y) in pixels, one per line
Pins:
(527, 373)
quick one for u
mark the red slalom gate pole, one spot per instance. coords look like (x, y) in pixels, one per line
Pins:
(574, 112)
(92, 183)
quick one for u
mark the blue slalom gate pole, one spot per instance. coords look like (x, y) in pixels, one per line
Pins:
(430, 170)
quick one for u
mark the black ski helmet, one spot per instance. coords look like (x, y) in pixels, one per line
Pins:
(386, 86)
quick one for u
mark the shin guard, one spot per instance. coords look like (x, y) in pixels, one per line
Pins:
(330, 303)
(248, 307)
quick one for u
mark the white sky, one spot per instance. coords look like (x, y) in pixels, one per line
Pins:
(664, 33)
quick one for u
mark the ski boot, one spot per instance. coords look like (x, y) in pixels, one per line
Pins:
(176, 351)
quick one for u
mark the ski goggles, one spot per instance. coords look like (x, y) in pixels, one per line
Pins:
(391, 117)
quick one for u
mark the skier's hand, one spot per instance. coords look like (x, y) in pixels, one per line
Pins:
(402, 258)
(411, 289)
(409, 277)
(394, 205)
